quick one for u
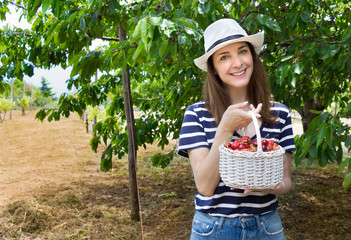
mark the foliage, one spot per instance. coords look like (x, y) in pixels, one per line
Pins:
(98, 111)
(45, 89)
(306, 53)
(25, 102)
(5, 105)
(38, 99)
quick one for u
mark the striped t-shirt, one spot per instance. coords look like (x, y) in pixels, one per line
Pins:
(198, 130)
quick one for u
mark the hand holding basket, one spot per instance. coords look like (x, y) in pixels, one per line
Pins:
(251, 170)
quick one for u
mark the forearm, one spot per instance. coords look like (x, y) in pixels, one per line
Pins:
(206, 170)
(286, 184)
(204, 161)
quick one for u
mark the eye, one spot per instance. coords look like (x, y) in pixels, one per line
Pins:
(224, 57)
(243, 51)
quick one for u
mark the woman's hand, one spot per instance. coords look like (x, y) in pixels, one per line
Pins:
(274, 191)
(235, 117)
(284, 186)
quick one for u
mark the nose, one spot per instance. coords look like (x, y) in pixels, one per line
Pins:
(236, 62)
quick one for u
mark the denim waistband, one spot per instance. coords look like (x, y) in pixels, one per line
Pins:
(241, 221)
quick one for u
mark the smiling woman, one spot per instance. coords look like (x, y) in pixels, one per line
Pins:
(236, 84)
(234, 66)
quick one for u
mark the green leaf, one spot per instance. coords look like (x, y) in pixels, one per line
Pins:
(305, 16)
(204, 6)
(106, 164)
(56, 7)
(143, 29)
(168, 27)
(262, 19)
(347, 181)
(346, 34)
(343, 165)
(82, 23)
(45, 5)
(41, 114)
(292, 19)
(313, 151)
(348, 108)
(315, 111)
(156, 160)
(321, 134)
(348, 141)
(150, 35)
(272, 24)
(113, 5)
(297, 68)
(285, 70)
(155, 21)
(138, 51)
(163, 48)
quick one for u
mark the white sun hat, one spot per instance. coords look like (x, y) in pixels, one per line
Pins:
(223, 32)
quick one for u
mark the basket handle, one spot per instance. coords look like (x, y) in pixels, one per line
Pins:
(258, 133)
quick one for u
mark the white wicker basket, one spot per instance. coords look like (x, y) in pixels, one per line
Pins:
(251, 170)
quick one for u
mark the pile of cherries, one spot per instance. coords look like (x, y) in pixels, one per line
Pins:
(248, 145)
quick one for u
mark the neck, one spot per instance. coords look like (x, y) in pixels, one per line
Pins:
(238, 95)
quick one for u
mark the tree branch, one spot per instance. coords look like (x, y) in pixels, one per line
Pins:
(127, 47)
(15, 4)
(331, 15)
(109, 39)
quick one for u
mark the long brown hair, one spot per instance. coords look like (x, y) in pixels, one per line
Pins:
(217, 98)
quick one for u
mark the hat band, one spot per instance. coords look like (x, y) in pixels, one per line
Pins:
(232, 37)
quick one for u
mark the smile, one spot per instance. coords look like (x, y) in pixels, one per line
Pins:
(238, 74)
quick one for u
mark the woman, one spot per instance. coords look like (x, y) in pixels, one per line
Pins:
(236, 83)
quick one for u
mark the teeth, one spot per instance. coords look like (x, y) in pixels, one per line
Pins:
(238, 74)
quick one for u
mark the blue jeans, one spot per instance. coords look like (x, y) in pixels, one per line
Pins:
(263, 227)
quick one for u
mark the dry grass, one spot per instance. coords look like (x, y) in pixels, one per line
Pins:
(51, 188)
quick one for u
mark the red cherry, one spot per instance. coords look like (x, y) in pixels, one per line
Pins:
(235, 145)
(270, 147)
(264, 148)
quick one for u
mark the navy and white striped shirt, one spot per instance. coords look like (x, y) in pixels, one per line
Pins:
(199, 129)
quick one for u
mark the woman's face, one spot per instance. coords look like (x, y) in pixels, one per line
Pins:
(234, 64)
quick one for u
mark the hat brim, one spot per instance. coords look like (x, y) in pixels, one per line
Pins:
(256, 40)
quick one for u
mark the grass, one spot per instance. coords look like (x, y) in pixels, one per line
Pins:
(95, 205)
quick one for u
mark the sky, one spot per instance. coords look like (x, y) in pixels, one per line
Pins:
(56, 77)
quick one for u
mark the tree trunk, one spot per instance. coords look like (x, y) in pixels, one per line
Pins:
(306, 115)
(86, 122)
(11, 96)
(132, 153)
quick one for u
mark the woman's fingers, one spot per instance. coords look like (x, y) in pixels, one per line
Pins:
(239, 105)
(271, 191)
(257, 109)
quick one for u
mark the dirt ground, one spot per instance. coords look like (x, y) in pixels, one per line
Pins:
(51, 188)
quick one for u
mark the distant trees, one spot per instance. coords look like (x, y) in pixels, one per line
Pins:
(18, 93)
(46, 92)
(5, 106)
(25, 103)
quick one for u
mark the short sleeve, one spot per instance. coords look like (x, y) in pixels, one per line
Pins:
(286, 136)
(195, 130)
